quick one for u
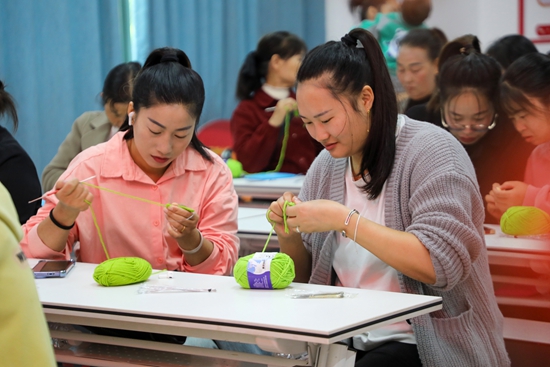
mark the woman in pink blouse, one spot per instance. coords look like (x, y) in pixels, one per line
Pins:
(158, 158)
(525, 94)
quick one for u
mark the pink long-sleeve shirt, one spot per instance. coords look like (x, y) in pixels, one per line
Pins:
(134, 228)
(537, 176)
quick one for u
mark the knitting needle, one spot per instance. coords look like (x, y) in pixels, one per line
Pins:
(53, 192)
(270, 109)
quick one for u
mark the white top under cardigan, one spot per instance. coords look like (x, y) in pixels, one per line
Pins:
(357, 267)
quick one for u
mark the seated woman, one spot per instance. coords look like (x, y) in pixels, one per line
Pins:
(158, 158)
(17, 170)
(417, 65)
(525, 94)
(95, 127)
(418, 227)
(24, 326)
(261, 139)
(467, 95)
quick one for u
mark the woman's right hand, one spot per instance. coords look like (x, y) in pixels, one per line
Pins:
(72, 196)
(283, 107)
(275, 215)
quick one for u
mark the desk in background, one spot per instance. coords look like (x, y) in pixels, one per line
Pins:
(271, 319)
(268, 189)
(254, 230)
(528, 262)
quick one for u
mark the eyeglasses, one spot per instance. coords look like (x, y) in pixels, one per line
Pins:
(474, 127)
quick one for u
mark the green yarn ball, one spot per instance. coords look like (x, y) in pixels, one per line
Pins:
(524, 221)
(235, 167)
(122, 271)
(281, 271)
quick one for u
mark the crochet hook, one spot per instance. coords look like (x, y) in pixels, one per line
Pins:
(53, 192)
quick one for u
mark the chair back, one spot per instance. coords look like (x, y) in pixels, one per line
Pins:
(216, 135)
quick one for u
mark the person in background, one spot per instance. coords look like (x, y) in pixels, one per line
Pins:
(264, 89)
(95, 127)
(466, 102)
(369, 9)
(509, 48)
(17, 170)
(24, 337)
(417, 65)
(392, 23)
(417, 220)
(158, 158)
(525, 94)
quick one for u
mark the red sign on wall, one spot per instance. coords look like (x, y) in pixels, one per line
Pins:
(534, 20)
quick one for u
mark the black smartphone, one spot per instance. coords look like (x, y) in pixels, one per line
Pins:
(52, 268)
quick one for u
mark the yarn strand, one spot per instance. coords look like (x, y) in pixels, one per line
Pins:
(285, 140)
(285, 217)
(136, 197)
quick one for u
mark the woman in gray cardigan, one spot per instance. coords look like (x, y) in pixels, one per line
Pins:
(417, 220)
(95, 127)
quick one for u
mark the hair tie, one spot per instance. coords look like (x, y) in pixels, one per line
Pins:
(169, 58)
(351, 41)
(249, 65)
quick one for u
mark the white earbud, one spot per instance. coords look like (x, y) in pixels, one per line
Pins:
(130, 117)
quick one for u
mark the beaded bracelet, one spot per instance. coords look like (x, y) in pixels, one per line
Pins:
(196, 249)
(346, 222)
(59, 225)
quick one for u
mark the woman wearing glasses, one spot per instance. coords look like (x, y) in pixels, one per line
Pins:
(466, 103)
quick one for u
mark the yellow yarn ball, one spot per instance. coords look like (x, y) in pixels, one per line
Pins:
(281, 272)
(525, 220)
(122, 271)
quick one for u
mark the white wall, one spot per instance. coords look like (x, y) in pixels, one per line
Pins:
(487, 19)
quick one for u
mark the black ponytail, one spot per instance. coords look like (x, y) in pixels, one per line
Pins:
(7, 106)
(349, 66)
(167, 78)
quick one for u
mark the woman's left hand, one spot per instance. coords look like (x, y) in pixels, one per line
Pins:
(316, 216)
(180, 222)
(510, 193)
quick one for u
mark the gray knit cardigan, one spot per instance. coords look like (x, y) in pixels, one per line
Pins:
(432, 193)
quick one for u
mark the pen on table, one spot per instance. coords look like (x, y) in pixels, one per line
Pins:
(197, 289)
(320, 295)
(270, 109)
(53, 192)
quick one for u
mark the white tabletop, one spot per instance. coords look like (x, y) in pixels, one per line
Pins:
(265, 313)
(253, 221)
(268, 189)
(502, 242)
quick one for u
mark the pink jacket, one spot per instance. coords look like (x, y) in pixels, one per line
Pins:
(134, 228)
(537, 175)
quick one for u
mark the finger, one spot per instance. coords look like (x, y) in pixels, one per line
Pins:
(69, 187)
(288, 196)
(90, 198)
(173, 232)
(496, 186)
(176, 226)
(507, 186)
